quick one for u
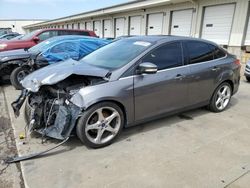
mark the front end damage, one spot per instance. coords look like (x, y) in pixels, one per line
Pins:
(49, 111)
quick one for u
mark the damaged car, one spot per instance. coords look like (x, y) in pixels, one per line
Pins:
(19, 63)
(125, 83)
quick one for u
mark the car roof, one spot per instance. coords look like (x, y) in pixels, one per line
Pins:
(166, 38)
(63, 29)
(72, 37)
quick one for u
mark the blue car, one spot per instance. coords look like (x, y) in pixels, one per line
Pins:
(51, 51)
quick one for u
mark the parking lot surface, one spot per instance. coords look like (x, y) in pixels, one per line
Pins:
(194, 149)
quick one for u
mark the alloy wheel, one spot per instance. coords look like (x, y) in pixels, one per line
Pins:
(223, 97)
(103, 125)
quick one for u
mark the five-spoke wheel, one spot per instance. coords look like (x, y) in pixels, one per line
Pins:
(100, 124)
(221, 98)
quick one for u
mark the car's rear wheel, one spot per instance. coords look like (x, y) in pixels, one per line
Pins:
(100, 124)
(221, 98)
(248, 79)
(17, 76)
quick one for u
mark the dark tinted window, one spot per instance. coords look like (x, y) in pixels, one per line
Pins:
(71, 32)
(199, 52)
(218, 53)
(167, 56)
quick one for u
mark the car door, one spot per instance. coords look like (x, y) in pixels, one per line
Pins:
(166, 90)
(203, 71)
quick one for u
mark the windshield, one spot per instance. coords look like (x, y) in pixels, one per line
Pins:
(29, 35)
(40, 47)
(116, 54)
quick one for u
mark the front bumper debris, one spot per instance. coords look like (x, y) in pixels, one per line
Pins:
(64, 122)
(17, 104)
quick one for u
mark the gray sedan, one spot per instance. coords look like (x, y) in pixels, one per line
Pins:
(125, 83)
(247, 71)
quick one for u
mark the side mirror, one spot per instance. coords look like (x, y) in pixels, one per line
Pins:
(147, 68)
(36, 39)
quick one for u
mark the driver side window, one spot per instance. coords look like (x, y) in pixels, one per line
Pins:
(166, 56)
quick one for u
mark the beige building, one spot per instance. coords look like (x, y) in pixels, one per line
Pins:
(17, 24)
(222, 21)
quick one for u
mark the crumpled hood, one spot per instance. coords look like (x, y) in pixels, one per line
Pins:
(14, 54)
(55, 73)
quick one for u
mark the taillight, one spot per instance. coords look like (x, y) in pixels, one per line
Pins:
(237, 62)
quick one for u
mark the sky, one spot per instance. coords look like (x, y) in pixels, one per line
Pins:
(50, 9)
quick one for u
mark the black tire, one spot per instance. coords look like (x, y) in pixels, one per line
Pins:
(14, 77)
(81, 124)
(212, 106)
(248, 79)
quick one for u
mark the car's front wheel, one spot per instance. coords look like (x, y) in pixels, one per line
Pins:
(221, 98)
(100, 124)
(17, 76)
(248, 78)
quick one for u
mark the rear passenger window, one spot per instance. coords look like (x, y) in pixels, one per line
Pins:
(219, 53)
(167, 56)
(199, 52)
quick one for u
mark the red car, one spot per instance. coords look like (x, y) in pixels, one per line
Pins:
(40, 35)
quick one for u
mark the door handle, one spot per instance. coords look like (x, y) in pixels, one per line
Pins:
(215, 68)
(179, 77)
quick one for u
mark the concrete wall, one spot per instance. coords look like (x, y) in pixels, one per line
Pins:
(17, 25)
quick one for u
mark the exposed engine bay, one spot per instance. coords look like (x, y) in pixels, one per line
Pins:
(49, 111)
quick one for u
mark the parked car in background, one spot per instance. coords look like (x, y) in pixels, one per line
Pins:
(4, 31)
(9, 36)
(247, 71)
(55, 50)
(33, 38)
(127, 82)
(19, 63)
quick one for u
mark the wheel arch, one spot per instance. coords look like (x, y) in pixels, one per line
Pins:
(118, 103)
(230, 82)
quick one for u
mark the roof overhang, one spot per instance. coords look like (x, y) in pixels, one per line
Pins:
(130, 6)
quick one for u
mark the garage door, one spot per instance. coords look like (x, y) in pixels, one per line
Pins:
(181, 22)
(107, 28)
(217, 23)
(88, 26)
(98, 28)
(155, 22)
(247, 40)
(135, 25)
(119, 27)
